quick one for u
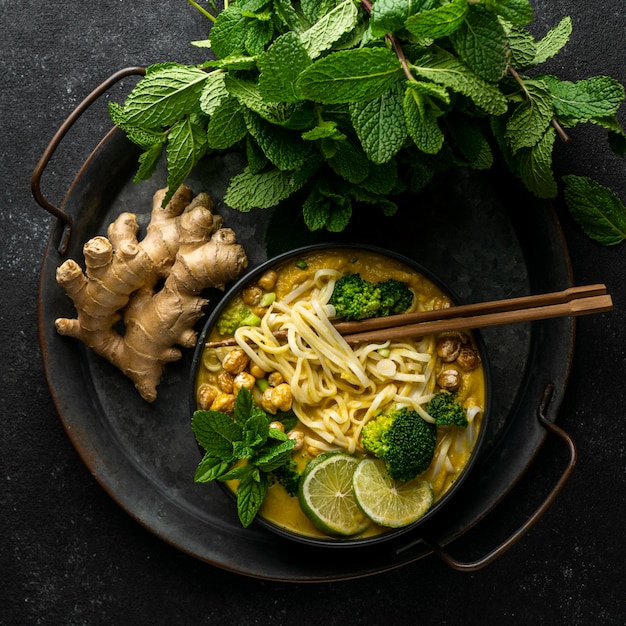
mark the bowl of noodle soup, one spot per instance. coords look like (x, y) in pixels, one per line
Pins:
(332, 389)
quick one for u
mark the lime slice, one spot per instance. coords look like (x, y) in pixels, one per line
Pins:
(388, 502)
(326, 494)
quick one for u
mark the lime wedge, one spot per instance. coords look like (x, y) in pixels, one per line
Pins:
(326, 494)
(388, 502)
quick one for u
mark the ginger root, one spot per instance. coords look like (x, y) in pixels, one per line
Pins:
(152, 285)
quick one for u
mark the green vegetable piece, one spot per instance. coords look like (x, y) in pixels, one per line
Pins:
(330, 28)
(234, 318)
(356, 75)
(596, 209)
(227, 125)
(446, 410)
(421, 120)
(403, 440)
(554, 41)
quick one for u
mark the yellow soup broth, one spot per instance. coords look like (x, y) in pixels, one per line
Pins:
(454, 444)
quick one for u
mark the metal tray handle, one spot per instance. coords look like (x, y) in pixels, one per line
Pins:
(35, 183)
(534, 518)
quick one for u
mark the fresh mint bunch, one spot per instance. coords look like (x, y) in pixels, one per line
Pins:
(340, 103)
(241, 447)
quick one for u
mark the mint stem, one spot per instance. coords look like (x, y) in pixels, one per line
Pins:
(202, 10)
(397, 48)
(554, 122)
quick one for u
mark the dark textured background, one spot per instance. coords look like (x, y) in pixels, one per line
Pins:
(70, 555)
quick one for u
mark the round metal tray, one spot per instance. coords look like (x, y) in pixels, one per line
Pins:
(481, 233)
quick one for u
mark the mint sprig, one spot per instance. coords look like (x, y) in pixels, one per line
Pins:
(241, 447)
(320, 96)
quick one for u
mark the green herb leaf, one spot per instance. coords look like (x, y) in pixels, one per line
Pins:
(421, 120)
(534, 166)
(250, 495)
(439, 22)
(148, 162)
(380, 124)
(210, 468)
(445, 69)
(390, 15)
(518, 12)
(530, 119)
(596, 209)
(247, 190)
(280, 66)
(213, 93)
(482, 43)
(350, 76)
(216, 432)
(186, 145)
(554, 41)
(227, 125)
(228, 33)
(275, 456)
(164, 96)
(330, 28)
(581, 101)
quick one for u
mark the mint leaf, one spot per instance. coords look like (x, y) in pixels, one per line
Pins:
(530, 119)
(554, 41)
(380, 125)
(216, 432)
(186, 145)
(284, 148)
(439, 22)
(534, 166)
(244, 405)
(251, 492)
(390, 15)
(349, 161)
(596, 209)
(275, 456)
(248, 95)
(330, 28)
(214, 92)
(350, 76)
(470, 141)
(148, 162)
(522, 46)
(227, 125)
(258, 35)
(228, 33)
(445, 69)
(164, 96)
(324, 130)
(382, 177)
(482, 43)
(518, 12)
(280, 66)
(247, 191)
(583, 100)
(210, 468)
(421, 120)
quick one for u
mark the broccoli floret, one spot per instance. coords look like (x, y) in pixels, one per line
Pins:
(446, 410)
(402, 439)
(395, 297)
(288, 476)
(235, 317)
(356, 298)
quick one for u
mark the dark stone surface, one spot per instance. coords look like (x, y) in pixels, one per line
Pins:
(70, 555)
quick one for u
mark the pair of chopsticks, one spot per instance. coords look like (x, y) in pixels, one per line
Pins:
(574, 301)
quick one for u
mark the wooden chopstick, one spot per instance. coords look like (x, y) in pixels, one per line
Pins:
(569, 302)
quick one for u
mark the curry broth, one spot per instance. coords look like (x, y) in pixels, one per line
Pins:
(283, 510)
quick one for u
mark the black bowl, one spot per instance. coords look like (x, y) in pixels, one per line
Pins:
(345, 542)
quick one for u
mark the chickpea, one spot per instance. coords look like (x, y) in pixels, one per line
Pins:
(244, 380)
(225, 382)
(441, 303)
(256, 371)
(224, 402)
(235, 361)
(206, 395)
(266, 401)
(468, 359)
(277, 426)
(298, 435)
(282, 397)
(449, 379)
(275, 379)
(251, 295)
(268, 280)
